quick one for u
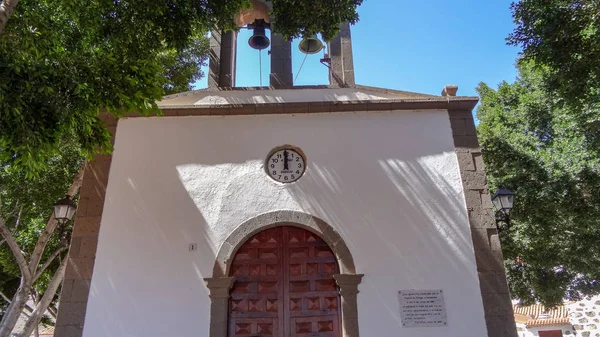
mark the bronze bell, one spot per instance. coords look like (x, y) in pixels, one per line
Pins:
(259, 39)
(310, 45)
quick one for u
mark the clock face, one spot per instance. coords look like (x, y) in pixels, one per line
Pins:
(285, 164)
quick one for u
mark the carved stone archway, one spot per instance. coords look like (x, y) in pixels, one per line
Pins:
(220, 284)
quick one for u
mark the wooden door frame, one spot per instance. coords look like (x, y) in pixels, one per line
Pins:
(220, 284)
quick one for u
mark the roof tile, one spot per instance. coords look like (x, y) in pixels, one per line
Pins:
(538, 315)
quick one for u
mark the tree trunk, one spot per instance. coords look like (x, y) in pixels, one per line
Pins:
(11, 316)
(29, 270)
(7, 7)
(40, 245)
(14, 310)
(43, 304)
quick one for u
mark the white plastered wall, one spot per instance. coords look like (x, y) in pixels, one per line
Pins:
(387, 182)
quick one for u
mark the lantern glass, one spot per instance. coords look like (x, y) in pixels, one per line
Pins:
(60, 211)
(64, 209)
(503, 200)
(71, 212)
(497, 203)
(508, 202)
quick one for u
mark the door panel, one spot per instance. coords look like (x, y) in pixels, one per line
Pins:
(255, 304)
(284, 286)
(247, 327)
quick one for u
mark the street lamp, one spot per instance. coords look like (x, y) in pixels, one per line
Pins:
(503, 202)
(64, 209)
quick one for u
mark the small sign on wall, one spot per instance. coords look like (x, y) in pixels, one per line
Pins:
(422, 308)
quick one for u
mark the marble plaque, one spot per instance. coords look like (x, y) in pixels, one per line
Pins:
(422, 308)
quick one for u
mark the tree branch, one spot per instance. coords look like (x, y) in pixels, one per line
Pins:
(53, 312)
(7, 7)
(5, 297)
(16, 223)
(18, 219)
(15, 210)
(51, 225)
(45, 301)
(16, 251)
(48, 262)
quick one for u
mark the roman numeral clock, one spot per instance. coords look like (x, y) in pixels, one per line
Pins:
(285, 164)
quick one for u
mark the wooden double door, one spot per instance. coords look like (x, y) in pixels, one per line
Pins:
(284, 286)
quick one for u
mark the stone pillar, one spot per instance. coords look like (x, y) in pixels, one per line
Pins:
(222, 58)
(228, 59)
(499, 316)
(348, 285)
(281, 63)
(84, 242)
(219, 306)
(214, 59)
(341, 73)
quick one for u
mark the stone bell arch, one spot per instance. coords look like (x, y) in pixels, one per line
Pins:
(223, 54)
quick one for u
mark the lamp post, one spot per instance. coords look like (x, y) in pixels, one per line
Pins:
(503, 201)
(64, 209)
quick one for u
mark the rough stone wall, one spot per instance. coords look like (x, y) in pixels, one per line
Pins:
(342, 63)
(585, 317)
(84, 242)
(490, 267)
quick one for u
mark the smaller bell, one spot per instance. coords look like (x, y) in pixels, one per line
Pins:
(310, 45)
(259, 39)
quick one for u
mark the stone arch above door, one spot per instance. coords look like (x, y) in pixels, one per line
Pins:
(347, 281)
(272, 219)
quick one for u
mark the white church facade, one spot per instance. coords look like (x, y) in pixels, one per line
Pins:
(323, 211)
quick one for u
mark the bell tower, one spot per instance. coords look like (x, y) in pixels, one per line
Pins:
(223, 52)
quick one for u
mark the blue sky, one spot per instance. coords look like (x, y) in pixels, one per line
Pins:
(411, 45)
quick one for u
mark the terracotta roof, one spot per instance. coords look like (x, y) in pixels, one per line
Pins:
(47, 331)
(538, 315)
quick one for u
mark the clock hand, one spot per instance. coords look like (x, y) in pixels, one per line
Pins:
(285, 160)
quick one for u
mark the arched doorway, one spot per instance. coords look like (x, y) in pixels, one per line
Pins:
(219, 285)
(284, 286)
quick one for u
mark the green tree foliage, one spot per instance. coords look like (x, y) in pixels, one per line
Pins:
(302, 18)
(62, 61)
(182, 68)
(564, 37)
(534, 145)
(26, 204)
(8, 285)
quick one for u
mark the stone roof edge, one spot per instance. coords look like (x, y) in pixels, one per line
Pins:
(393, 91)
(457, 102)
(434, 103)
(356, 86)
(191, 92)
